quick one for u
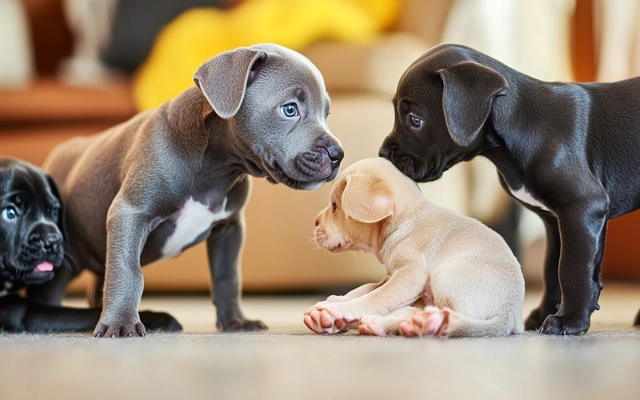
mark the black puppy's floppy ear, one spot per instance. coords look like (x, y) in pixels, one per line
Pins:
(61, 222)
(469, 91)
(224, 78)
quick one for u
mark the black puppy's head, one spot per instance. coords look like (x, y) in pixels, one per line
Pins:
(441, 106)
(31, 224)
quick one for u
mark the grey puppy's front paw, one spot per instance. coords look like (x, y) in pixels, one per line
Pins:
(120, 329)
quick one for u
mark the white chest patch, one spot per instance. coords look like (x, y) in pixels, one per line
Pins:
(524, 196)
(194, 219)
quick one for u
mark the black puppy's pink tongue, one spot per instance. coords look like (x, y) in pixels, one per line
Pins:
(45, 267)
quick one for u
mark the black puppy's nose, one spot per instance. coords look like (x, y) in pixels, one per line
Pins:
(52, 240)
(336, 154)
(386, 150)
(46, 237)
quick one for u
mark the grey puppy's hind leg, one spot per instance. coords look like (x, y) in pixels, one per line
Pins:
(223, 248)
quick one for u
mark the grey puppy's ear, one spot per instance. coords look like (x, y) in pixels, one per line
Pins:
(469, 91)
(224, 78)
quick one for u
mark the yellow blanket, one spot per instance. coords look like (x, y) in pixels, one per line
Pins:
(199, 34)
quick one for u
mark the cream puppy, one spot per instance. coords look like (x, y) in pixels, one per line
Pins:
(447, 274)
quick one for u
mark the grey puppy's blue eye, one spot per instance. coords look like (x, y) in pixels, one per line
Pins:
(289, 110)
(9, 214)
(415, 122)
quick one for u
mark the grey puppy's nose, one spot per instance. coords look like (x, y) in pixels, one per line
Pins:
(336, 154)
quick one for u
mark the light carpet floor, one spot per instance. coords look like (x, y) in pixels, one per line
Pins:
(290, 362)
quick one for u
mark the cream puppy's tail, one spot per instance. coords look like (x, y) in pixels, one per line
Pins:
(503, 324)
(433, 321)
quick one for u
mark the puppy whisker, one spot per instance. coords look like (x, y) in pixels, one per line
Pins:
(68, 259)
(66, 264)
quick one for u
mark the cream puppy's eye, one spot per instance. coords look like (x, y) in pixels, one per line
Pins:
(334, 206)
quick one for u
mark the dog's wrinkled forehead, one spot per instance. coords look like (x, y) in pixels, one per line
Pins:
(22, 179)
(288, 68)
(306, 66)
(426, 69)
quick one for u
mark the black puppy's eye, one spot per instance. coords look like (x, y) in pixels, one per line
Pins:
(334, 206)
(53, 212)
(415, 122)
(10, 214)
(289, 110)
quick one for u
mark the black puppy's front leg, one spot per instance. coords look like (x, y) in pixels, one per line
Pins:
(223, 248)
(582, 231)
(551, 291)
(19, 314)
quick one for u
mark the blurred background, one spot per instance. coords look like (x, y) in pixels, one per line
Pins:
(76, 67)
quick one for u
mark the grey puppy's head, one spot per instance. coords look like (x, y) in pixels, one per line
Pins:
(442, 105)
(276, 100)
(31, 225)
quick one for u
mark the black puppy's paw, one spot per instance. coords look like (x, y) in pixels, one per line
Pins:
(537, 317)
(159, 321)
(120, 329)
(240, 324)
(562, 325)
(636, 322)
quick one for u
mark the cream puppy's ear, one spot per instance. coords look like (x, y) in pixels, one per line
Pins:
(367, 198)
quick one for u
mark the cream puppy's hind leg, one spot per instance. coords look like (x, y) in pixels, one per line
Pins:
(432, 321)
(376, 325)
(445, 322)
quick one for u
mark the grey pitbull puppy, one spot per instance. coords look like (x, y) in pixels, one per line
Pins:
(174, 176)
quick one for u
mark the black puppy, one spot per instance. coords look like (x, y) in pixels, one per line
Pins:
(31, 249)
(569, 152)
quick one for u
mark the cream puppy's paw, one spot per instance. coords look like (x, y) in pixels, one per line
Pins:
(431, 321)
(329, 317)
(337, 299)
(373, 325)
